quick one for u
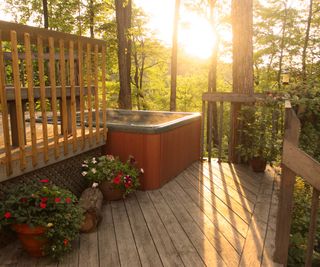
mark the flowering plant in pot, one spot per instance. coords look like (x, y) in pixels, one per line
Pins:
(45, 217)
(115, 178)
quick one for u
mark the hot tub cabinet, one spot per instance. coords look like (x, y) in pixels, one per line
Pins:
(163, 143)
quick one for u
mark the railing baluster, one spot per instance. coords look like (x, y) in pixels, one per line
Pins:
(43, 104)
(31, 99)
(73, 96)
(312, 226)
(210, 130)
(80, 65)
(18, 102)
(103, 81)
(96, 90)
(89, 100)
(63, 108)
(203, 128)
(220, 130)
(4, 111)
(53, 97)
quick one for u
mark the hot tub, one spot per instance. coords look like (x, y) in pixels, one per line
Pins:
(163, 143)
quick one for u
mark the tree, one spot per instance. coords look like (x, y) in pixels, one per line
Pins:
(242, 67)
(123, 17)
(306, 41)
(45, 14)
(174, 57)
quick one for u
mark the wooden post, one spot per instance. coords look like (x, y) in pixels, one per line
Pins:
(312, 227)
(292, 133)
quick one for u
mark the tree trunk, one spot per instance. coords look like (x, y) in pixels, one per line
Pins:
(306, 41)
(91, 18)
(242, 69)
(284, 27)
(123, 17)
(212, 80)
(174, 57)
(45, 14)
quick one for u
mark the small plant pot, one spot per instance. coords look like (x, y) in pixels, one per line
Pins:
(109, 192)
(258, 164)
(32, 239)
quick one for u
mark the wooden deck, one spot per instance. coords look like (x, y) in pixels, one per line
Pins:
(210, 215)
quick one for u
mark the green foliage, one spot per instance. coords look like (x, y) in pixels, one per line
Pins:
(43, 204)
(107, 168)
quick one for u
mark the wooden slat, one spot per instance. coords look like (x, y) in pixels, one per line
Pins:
(53, 97)
(80, 70)
(4, 112)
(73, 96)
(89, 97)
(202, 128)
(312, 226)
(165, 247)
(43, 104)
(108, 250)
(231, 97)
(209, 131)
(220, 130)
(89, 252)
(147, 251)
(199, 240)
(188, 253)
(31, 99)
(301, 163)
(104, 96)
(126, 246)
(96, 95)
(18, 103)
(64, 115)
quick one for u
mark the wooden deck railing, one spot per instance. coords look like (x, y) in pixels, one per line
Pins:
(44, 72)
(209, 99)
(295, 162)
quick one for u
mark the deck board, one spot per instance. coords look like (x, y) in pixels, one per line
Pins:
(209, 215)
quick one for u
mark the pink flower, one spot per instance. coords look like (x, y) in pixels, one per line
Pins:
(57, 199)
(68, 200)
(44, 181)
(7, 215)
(43, 205)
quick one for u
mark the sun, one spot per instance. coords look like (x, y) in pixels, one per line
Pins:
(197, 37)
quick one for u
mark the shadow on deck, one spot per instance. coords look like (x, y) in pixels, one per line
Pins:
(210, 215)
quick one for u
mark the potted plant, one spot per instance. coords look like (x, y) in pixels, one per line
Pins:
(45, 217)
(115, 178)
(259, 143)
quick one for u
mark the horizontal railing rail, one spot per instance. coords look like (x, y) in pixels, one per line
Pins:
(45, 71)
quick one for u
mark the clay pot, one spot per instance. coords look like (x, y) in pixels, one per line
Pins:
(109, 192)
(258, 164)
(31, 238)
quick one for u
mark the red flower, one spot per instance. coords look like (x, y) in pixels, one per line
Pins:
(117, 179)
(44, 199)
(128, 184)
(7, 215)
(57, 199)
(65, 242)
(44, 181)
(43, 205)
(68, 200)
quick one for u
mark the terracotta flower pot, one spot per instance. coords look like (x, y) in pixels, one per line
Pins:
(31, 238)
(258, 164)
(109, 192)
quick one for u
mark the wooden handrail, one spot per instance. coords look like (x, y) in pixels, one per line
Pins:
(34, 32)
(295, 162)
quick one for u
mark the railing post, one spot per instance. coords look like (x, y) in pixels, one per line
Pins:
(292, 132)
